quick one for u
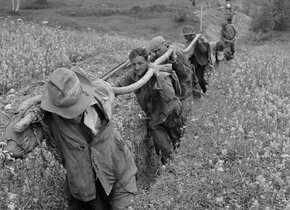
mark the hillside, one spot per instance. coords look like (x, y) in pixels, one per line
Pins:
(131, 18)
(235, 153)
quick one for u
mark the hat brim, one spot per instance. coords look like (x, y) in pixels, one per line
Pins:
(86, 97)
(187, 34)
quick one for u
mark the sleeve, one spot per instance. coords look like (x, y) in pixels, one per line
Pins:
(21, 143)
(235, 31)
(180, 66)
(125, 80)
(166, 89)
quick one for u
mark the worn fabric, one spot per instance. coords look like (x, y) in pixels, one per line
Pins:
(158, 100)
(166, 136)
(200, 58)
(200, 73)
(157, 97)
(119, 199)
(88, 157)
(183, 70)
(228, 33)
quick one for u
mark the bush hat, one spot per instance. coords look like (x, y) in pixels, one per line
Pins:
(188, 30)
(156, 43)
(67, 93)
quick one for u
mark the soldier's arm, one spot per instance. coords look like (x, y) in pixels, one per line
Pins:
(21, 143)
(166, 91)
(180, 65)
(235, 30)
(125, 80)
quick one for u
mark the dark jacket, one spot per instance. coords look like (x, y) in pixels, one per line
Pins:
(157, 97)
(228, 33)
(86, 157)
(201, 54)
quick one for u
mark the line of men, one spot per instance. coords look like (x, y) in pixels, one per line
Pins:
(75, 119)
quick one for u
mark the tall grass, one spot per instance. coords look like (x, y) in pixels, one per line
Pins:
(28, 53)
(236, 152)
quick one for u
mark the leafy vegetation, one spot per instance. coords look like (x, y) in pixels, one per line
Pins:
(236, 150)
(235, 154)
(274, 15)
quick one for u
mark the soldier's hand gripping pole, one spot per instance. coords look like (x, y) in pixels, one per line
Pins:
(191, 45)
(145, 78)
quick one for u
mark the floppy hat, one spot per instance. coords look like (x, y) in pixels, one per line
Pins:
(188, 30)
(156, 42)
(67, 93)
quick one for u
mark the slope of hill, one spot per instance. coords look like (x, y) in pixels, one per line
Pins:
(133, 18)
(236, 152)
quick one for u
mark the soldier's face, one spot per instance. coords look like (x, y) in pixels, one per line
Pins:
(189, 37)
(161, 50)
(140, 65)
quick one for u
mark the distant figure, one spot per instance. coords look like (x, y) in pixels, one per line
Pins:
(228, 36)
(200, 57)
(15, 7)
(189, 34)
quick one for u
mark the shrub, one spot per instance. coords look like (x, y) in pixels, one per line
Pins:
(180, 12)
(275, 15)
(263, 21)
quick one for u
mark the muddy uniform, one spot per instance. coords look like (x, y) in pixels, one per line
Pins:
(200, 59)
(228, 36)
(158, 100)
(183, 70)
(100, 168)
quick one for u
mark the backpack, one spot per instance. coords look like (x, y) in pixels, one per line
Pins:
(230, 32)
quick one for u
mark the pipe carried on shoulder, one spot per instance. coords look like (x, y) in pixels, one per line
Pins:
(144, 79)
(150, 72)
(22, 124)
(190, 46)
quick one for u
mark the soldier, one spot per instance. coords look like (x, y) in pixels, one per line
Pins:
(158, 100)
(189, 34)
(75, 118)
(157, 47)
(228, 36)
(200, 57)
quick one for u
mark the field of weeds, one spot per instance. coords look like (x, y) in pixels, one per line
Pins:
(236, 150)
(236, 153)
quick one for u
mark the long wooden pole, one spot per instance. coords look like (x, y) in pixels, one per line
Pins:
(114, 70)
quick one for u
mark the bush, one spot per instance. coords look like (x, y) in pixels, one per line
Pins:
(275, 15)
(263, 21)
(180, 12)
